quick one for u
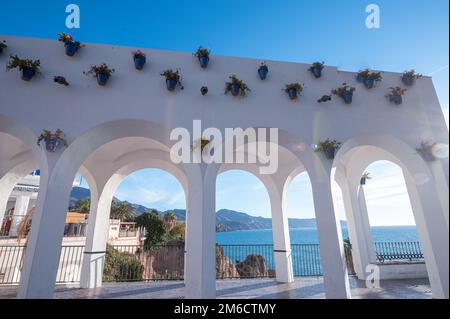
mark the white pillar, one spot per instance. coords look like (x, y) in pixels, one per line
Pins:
(358, 226)
(200, 262)
(43, 250)
(96, 240)
(20, 210)
(281, 239)
(331, 244)
(433, 232)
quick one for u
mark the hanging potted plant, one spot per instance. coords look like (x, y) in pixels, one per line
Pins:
(345, 92)
(52, 140)
(409, 77)
(2, 46)
(263, 70)
(395, 96)
(365, 176)
(101, 72)
(329, 148)
(236, 86)
(70, 44)
(28, 67)
(316, 69)
(202, 143)
(173, 78)
(426, 151)
(202, 55)
(293, 90)
(139, 59)
(368, 78)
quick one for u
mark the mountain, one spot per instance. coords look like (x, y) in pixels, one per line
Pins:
(226, 219)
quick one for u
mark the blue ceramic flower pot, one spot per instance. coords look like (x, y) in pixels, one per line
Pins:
(171, 84)
(1, 50)
(408, 80)
(292, 93)
(316, 71)
(235, 89)
(204, 60)
(102, 78)
(369, 82)
(52, 143)
(263, 71)
(330, 153)
(139, 61)
(396, 99)
(28, 73)
(71, 48)
(347, 97)
(363, 181)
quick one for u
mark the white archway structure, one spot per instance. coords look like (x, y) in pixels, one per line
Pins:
(125, 125)
(426, 193)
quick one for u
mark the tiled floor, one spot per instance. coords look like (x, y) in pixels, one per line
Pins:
(311, 287)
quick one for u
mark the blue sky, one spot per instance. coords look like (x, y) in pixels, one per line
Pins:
(413, 34)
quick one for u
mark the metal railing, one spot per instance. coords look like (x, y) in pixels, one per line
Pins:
(133, 263)
(398, 251)
(69, 269)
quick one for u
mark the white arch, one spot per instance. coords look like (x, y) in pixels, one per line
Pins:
(426, 199)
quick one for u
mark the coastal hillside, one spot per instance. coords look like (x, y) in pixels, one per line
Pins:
(226, 219)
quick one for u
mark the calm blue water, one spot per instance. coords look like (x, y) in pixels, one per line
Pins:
(306, 258)
(309, 235)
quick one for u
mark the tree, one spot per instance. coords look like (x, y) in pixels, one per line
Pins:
(121, 210)
(154, 226)
(177, 232)
(170, 221)
(83, 205)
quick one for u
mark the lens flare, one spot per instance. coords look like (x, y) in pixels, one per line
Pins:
(440, 150)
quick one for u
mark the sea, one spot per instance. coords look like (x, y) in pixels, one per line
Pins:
(306, 260)
(310, 235)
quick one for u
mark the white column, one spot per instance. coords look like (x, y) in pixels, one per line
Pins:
(433, 232)
(43, 250)
(367, 233)
(331, 244)
(358, 226)
(96, 240)
(281, 239)
(20, 210)
(200, 262)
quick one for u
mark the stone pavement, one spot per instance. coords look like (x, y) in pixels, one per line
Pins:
(302, 288)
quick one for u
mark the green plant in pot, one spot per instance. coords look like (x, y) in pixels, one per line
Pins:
(202, 54)
(426, 151)
(236, 86)
(316, 69)
(365, 176)
(409, 77)
(173, 79)
(52, 140)
(368, 78)
(395, 95)
(71, 46)
(28, 67)
(345, 92)
(328, 147)
(139, 59)
(102, 72)
(263, 70)
(3, 46)
(293, 90)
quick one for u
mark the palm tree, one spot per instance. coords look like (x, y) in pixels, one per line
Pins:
(170, 221)
(121, 210)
